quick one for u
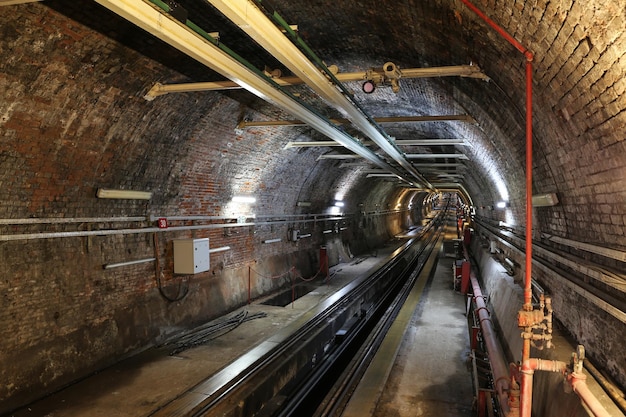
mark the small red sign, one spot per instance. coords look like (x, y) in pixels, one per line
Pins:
(162, 222)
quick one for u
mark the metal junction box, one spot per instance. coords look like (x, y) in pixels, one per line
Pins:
(191, 256)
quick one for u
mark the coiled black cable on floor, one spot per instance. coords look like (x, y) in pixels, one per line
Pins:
(209, 331)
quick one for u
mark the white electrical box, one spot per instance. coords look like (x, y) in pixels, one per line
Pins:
(191, 256)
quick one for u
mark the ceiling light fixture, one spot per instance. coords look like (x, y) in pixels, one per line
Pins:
(545, 200)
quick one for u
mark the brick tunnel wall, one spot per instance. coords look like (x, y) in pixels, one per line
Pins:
(73, 120)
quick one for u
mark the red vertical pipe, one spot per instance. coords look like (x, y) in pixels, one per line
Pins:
(249, 283)
(529, 146)
(529, 187)
(526, 394)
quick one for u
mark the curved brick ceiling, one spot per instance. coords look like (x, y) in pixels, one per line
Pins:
(578, 86)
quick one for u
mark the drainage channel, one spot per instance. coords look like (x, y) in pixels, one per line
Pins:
(288, 296)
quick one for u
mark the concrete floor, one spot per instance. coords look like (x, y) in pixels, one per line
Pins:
(430, 376)
(421, 367)
(139, 386)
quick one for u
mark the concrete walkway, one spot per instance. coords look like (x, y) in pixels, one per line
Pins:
(430, 376)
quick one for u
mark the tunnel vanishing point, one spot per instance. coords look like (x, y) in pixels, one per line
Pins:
(132, 128)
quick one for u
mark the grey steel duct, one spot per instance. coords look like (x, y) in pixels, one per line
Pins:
(183, 38)
(250, 19)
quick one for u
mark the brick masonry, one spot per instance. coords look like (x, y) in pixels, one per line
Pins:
(73, 119)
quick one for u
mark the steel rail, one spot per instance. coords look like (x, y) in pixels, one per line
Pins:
(243, 386)
(308, 396)
(337, 399)
(546, 258)
(290, 347)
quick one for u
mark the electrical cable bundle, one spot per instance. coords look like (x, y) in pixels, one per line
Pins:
(212, 330)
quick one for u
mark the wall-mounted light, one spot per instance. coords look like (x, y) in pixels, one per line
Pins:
(334, 210)
(303, 204)
(244, 199)
(502, 204)
(123, 194)
(545, 200)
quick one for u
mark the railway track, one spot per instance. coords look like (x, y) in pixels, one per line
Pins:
(310, 366)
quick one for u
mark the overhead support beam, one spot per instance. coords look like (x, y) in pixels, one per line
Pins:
(12, 2)
(441, 165)
(338, 156)
(436, 155)
(471, 71)
(406, 142)
(253, 21)
(381, 175)
(430, 142)
(354, 164)
(399, 119)
(207, 51)
(444, 171)
(451, 176)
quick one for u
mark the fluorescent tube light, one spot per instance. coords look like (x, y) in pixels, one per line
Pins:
(123, 194)
(244, 199)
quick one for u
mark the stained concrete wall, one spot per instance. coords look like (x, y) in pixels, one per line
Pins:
(551, 396)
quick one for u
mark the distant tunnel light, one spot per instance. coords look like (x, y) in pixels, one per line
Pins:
(339, 204)
(244, 199)
(123, 194)
(502, 204)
